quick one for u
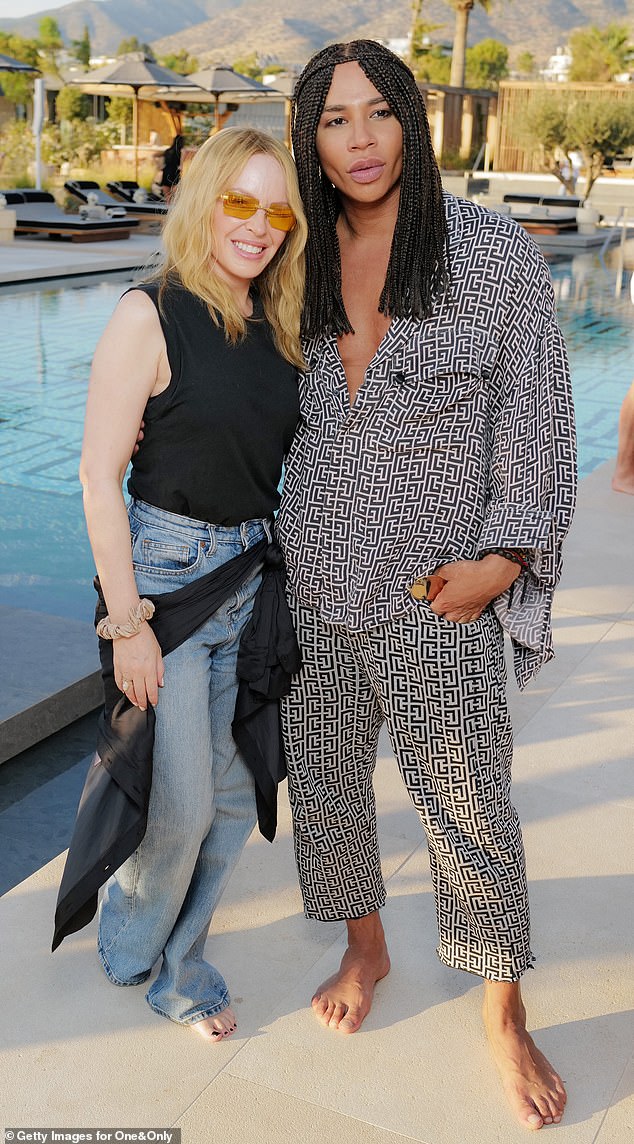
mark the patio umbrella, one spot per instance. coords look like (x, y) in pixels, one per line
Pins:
(223, 80)
(134, 72)
(8, 64)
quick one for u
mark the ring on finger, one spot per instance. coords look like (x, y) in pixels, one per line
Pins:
(125, 684)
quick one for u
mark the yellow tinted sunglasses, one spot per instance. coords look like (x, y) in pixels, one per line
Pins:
(237, 205)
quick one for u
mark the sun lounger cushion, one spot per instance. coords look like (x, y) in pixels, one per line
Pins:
(12, 197)
(568, 201)
(510, 198)
(126, 189)
(87, 191)
(562, 201)
(37, 213)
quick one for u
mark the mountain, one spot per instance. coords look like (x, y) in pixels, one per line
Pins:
(282, 28)
(289, 30)
(110, 21)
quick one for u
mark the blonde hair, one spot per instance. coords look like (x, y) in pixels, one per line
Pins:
(188, 239)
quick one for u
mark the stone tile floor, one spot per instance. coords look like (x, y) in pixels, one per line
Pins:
(77, 1052)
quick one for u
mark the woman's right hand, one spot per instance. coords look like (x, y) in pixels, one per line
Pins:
(139, 663)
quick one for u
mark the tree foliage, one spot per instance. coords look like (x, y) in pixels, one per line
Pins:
(82, 48)
(486, 64)
(596, 126)
(19, 88)
(49, 33)
(132, 44)
(179, 62)
(72, 104)
(599, 54)
(50, 43)
(526, 63)
(419, 36)
(77, 142)
(248, 65)
(433, 65)
(119, 111)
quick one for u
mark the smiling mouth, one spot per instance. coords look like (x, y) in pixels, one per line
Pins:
(248, 248)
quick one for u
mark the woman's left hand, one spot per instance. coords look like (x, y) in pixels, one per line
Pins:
(138, 667)
(471, 585)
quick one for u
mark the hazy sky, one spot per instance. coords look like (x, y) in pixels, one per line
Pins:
(27, 7)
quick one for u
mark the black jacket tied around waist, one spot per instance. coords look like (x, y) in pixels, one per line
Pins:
(112, 815)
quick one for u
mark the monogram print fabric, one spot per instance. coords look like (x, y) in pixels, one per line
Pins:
(441, 689)
(461, 438)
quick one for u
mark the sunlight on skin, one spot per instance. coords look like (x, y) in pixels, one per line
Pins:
(218, 1027)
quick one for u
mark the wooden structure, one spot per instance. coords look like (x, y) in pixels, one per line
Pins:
(461, 120)
(514, 99)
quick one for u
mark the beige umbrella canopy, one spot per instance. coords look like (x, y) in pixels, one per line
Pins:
(135, 72)
(222, 81)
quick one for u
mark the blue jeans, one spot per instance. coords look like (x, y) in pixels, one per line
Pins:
(202, 806)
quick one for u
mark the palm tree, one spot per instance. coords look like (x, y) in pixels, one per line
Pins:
(463, 10)
(419, 42)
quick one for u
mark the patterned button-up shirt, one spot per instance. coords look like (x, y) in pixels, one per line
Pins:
(461, 438)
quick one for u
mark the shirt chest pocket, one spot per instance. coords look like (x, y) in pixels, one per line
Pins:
(433, 411)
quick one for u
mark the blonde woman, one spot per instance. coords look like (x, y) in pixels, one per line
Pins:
(207, 354)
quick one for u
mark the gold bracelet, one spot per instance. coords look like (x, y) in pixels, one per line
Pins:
(106, 630)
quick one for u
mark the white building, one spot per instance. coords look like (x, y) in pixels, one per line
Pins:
(558, 67)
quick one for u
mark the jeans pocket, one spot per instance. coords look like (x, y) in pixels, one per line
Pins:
(157, 551)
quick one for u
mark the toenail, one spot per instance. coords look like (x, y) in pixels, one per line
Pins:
(534, 1118)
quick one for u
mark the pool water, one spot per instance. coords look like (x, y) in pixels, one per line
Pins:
(596, 313)
(48, 339)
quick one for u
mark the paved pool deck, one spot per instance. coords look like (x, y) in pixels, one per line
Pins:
(76, 1052)
(29, 260)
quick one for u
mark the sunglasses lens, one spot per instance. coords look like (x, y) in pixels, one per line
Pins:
(239, 206)
(244, 206)
(281, 216)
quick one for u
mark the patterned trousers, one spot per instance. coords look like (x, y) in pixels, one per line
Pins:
(441, 689)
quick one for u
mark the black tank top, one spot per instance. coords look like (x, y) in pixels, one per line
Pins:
(216, 438)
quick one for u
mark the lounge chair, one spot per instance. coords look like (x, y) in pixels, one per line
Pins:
(543, 214)
(89, 192)
(38, 213)
(127, 189)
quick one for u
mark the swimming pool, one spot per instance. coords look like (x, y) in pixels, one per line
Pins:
(48, 338)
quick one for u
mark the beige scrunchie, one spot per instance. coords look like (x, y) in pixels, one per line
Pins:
(106, 630)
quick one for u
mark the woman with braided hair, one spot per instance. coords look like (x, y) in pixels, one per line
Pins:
(427, 493)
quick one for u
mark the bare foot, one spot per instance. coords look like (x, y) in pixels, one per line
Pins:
(623, 484)
(345, 999)
(534, 1090)
(217, 1028)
